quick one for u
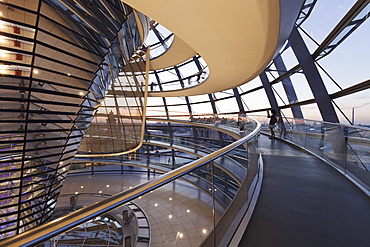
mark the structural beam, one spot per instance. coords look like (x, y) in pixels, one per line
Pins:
(313, 77)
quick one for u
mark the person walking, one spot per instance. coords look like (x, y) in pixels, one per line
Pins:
(241, 119)
(272, 123)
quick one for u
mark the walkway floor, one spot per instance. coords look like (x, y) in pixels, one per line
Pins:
(304, 202)
(180, 215)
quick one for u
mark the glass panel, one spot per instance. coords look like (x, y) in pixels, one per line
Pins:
(325, 16)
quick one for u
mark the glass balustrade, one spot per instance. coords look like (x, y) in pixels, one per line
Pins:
(346, 147)
(210, 178)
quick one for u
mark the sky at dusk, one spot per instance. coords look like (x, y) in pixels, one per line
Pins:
(347, 65)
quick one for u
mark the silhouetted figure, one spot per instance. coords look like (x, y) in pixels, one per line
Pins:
(198, 76)
(272, 123)
(241, 118)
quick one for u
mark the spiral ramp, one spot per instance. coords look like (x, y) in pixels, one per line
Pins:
(236, 39)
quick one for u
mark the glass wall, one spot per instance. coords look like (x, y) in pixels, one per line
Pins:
(58, 60)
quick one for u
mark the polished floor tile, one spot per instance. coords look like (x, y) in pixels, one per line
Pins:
(179, 213)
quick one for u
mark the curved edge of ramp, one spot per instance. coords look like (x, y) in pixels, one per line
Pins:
(237, 40)
(178, 53)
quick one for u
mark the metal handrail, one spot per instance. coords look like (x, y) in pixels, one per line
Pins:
(49, 230)
(322, 122)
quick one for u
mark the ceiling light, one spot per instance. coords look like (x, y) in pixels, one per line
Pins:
(82, 186)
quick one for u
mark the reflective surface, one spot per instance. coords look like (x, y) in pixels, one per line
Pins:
(57, 61)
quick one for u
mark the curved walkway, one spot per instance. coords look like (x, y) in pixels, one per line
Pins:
(304, 202)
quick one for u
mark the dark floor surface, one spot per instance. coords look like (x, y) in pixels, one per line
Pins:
(305, 202)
